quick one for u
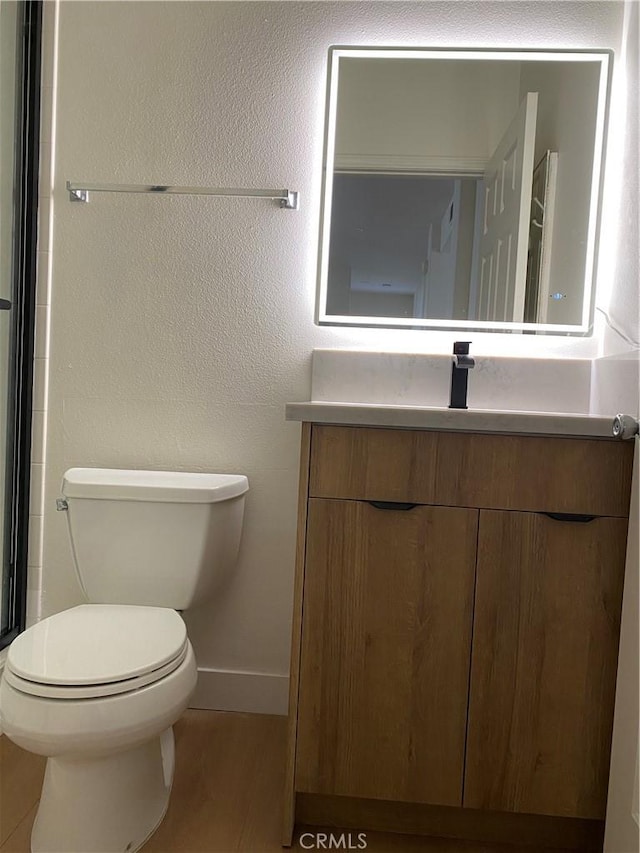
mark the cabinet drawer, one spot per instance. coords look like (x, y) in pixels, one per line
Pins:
(527, 473)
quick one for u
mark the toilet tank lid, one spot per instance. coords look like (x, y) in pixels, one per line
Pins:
(167, 486)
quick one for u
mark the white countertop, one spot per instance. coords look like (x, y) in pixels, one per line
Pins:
(462, 420)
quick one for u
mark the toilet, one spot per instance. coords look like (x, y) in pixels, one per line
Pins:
(96, 688)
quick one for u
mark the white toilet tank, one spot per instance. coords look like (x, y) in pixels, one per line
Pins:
(156, 538)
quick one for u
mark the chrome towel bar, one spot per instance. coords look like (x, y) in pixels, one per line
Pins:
(289, 199)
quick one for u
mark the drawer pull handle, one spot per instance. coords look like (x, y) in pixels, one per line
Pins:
(391, 505)
(570, 516)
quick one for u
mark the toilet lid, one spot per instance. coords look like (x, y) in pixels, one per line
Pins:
(98, 644)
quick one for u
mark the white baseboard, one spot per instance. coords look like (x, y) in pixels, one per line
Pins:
(253, 692)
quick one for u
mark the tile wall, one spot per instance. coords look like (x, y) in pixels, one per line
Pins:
(43, 301)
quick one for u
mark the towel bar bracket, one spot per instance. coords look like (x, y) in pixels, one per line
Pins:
(292, 201)
(78, 195)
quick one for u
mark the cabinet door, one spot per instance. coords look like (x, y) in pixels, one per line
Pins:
(385, 656)
(545, 647)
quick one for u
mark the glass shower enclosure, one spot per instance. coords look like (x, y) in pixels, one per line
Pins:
(20, 28)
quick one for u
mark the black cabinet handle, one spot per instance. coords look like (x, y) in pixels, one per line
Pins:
(570, 516)
(391, 505)
(5, 305)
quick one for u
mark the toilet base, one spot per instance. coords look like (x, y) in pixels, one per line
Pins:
(109, 804)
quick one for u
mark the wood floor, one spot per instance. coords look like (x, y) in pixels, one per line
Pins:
(226, 798)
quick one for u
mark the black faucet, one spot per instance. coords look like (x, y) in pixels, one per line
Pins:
(460, 367)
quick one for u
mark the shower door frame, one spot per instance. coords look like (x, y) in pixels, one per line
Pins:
(23, 309)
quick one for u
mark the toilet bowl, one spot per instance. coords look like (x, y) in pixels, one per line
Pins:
(96, 688)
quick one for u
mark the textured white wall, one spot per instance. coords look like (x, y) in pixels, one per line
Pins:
(619, 272)
(181, 326)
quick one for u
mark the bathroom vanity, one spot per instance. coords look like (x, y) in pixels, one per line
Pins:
(457, 609)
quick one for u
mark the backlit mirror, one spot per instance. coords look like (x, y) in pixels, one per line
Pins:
(461, 188)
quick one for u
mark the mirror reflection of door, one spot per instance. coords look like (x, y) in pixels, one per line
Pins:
(507, 185)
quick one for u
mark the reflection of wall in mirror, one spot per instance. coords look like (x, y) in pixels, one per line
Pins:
(400, 246)
(379, 230)
(394, 112)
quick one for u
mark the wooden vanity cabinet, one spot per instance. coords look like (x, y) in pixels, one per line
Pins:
(456, 628)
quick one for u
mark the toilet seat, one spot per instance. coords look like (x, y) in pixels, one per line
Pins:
(92, 691)
(97, 650)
